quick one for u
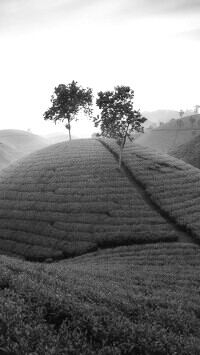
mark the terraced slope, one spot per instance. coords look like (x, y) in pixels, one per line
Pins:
(71, 198)
(172, 184)
(129, 300)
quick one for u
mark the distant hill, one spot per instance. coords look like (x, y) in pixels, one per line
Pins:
(164, 115)
(54, 138)
(171, 134)
(15, 144)
(188, 152)
(8, 154)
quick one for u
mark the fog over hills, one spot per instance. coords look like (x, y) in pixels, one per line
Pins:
(164, 115)
(171, 134)
(15, 144)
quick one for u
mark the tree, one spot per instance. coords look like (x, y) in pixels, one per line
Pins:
(196, 108)
(181, 113)
(67, 101)
(192, 120)
(179, 123)
(117, 119)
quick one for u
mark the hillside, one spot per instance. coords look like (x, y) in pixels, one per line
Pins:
(164, 115)
(188, 152)
(171, 184)
(126, 276)
(15, 144)
(171, 134)
(128, 300)
(71, 198)
(8, 155)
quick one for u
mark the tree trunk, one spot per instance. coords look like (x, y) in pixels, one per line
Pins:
(120, 156)
(70, 137)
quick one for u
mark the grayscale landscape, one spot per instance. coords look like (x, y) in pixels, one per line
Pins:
(99, 177)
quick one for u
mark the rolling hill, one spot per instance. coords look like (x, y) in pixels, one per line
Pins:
(169, 135)
(164, 115)
(69, 199)
(118, 250)
(15, 144)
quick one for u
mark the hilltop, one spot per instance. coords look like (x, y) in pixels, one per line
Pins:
(171, 134)
(70, 198)
(15, 144)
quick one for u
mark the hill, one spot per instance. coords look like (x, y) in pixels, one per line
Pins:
(71, 198)
(171, 135)
(170, 183)
(15, 144)
(188, 152)
(164, 115)
(129, 300)
(8, 155)
(54, 138)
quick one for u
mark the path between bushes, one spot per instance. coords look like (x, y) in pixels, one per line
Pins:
(183, 235)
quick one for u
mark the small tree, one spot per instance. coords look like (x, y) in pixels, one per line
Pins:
(196, 108)
(179, 123)
(118, 120)
(181, 113)
(67, 101)
(192, 121)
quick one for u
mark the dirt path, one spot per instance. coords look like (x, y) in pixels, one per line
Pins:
(184, 236)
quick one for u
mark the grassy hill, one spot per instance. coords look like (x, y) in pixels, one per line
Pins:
(188, 152)
(71, 198)
(14, 144)
(170, 135)
(122, 281)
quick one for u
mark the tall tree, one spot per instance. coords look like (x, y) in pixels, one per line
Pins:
(118, 119)
(67, 101)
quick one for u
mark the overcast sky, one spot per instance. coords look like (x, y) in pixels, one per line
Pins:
(151, 45)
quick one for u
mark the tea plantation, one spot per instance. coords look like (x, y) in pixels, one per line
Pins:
(96, 259)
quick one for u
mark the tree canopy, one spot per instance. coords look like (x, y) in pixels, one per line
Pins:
(67, 101)
(118, 119)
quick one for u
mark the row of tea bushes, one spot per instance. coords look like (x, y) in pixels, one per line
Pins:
(127, 300)
(172, 184)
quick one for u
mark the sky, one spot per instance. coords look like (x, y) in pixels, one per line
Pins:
(153, 46)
